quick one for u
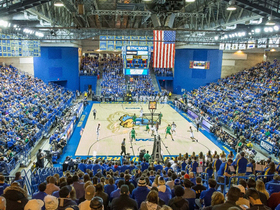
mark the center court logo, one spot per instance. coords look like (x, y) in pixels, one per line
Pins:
(127, 121)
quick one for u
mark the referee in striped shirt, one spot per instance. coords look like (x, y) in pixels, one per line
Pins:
(123, 147)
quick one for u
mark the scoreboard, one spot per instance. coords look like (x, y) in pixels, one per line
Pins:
(136, 60)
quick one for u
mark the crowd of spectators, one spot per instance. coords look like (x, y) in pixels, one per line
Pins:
(89, 66)
(113, 82)
(141, 86)
(28, 108)
(246, 102)
(175, 184)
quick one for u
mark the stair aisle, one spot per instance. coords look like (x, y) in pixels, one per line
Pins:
(154, 79)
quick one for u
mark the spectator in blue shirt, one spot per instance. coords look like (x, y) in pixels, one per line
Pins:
(89, 165)
(241, 165)
(41, 194)
(205, 196)
(140, 192)
(158, 167)
(3, 185)
(273, 185)
(82, 166)
(164, 191)
(194, 164)
(108, 188)
(168, 166)
(116, 193)
(209, 170)
(224, 173)
(144, 165)
(216, 165)
(132, 166)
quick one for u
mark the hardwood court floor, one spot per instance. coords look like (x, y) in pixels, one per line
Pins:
(112, 132)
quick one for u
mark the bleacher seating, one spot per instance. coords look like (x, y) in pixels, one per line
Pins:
(235, 99)
(28, 109)
(246, 103)
(89, 66)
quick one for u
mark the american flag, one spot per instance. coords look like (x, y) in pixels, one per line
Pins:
(164, 49)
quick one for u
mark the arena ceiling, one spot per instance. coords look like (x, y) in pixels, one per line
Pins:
(198, 22)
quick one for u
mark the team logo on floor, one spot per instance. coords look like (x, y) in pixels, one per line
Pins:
(127, 121)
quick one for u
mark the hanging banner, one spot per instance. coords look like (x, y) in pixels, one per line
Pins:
(273, 42)
(126, 41)
(228, 46)
(262, 43)
(111, 43)
(222, 46)
(251, 44)
(11, 46)
(102, 43)
(234, 46)
(143, 41)
(242, 46)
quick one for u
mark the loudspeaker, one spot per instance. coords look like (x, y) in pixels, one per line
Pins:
(170, 20)
(81, 9)
(155, 20)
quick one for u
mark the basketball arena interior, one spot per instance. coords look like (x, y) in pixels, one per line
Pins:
(139, 104)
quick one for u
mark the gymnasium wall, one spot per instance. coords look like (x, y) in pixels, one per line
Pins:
(270, 56)
(237, 61)
(85, 81)
(189, 79)
(24, 64)
(58, 64)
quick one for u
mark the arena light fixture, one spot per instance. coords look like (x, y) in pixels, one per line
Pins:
(273, 50)
(231, 8)
(58, 3)
(4, 23)
(189, 1)
(276, 28)
(265, 29)
(231, 5)
(257, 30)
(216, 37)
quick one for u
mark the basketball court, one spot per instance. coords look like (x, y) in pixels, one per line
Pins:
(116, 124)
